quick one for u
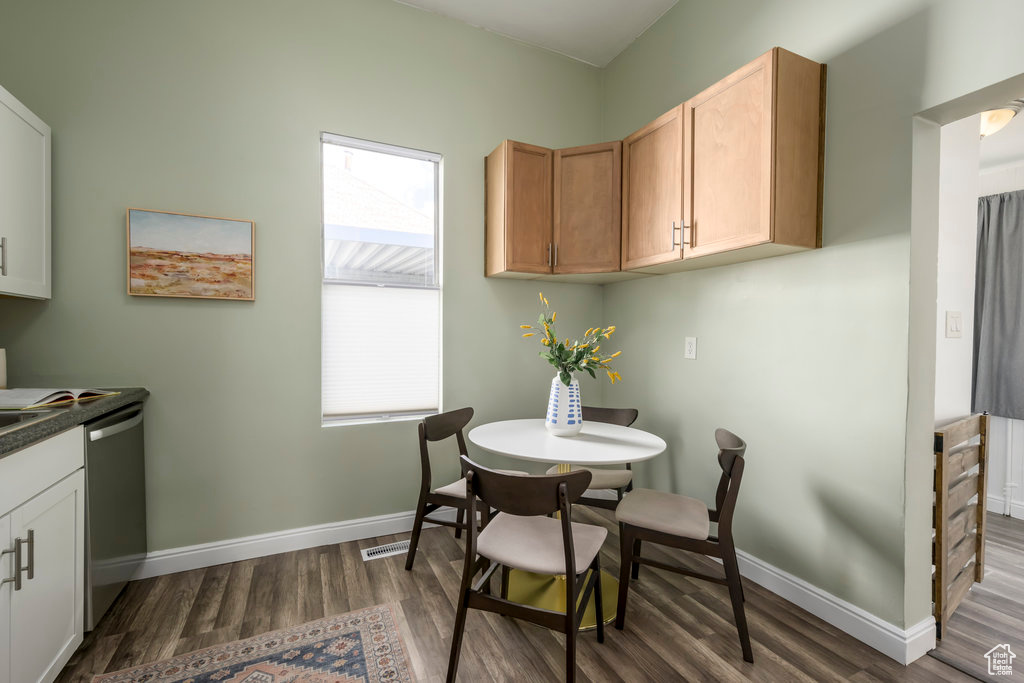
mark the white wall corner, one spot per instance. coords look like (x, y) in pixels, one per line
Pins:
(903, 645)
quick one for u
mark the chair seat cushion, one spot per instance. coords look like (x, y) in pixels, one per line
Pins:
(534, 544)
(603, 479)
(666, 512)
(458, 488)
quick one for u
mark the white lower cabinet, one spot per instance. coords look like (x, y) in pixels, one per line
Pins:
(43, 565)
(6, 570)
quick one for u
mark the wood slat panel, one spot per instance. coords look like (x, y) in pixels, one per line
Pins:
(961, 492)
(960, 555)
(963, 522)
(955, 434)
(958, 589)
(963, 460)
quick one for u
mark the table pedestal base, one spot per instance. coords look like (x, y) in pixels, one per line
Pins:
(548, 592)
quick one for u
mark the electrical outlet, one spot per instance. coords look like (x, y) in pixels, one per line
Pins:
(690, 348)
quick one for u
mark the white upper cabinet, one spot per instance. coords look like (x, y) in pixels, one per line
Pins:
(24, 201)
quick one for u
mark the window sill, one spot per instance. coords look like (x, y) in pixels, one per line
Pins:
(372, 420)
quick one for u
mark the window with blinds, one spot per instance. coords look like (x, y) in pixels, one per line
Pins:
(381, 297)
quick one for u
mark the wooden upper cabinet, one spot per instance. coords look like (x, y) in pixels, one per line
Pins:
(652, 196)
(518, 213)
(588, 185)
(755, 143)
(734, 174)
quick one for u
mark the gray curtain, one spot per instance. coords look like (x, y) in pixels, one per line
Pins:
(999, 306)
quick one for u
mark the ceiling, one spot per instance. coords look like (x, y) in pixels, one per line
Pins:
(1004, 147)
(592, 31)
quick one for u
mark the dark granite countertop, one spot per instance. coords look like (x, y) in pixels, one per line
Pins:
(62, 419)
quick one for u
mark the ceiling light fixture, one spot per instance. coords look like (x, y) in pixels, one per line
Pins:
(993, 120)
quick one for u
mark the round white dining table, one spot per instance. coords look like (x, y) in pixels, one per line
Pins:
(598, 443)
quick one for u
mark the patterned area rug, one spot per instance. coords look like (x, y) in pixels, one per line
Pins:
(357, 646)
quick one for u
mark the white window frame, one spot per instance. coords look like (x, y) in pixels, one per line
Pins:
(410, 153)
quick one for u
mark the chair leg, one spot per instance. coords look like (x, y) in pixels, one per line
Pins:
(636, 553)
(417, 527)
(570, 629)
(625, 543)
(504, 581)
(732, 575)
(460, 628)
(595, 567)
(460, 518)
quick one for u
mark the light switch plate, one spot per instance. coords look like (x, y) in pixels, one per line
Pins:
(954, 324)
(690, 348)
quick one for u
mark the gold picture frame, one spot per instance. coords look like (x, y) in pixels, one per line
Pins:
(191, 256)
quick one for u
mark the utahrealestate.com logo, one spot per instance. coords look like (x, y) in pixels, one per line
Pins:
(1000, 660)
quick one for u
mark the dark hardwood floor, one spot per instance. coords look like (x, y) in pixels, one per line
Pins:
(677, 628)
(993, 612)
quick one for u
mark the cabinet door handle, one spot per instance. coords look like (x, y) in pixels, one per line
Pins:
(16, 579)
(549, 254)
(680, 228)
(556, 255)
(3, 256)
(30, 570)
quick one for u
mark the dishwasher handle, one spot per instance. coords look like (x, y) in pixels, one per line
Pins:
(117, 427)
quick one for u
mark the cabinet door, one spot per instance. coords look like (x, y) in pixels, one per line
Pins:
(528, 243)
(6, 572)
(24, 201)
(46, 614)
(730, 130)
(588, 186)
(652, 189)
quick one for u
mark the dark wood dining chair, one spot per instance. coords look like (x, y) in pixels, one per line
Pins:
(618, 479)
(438, 428)
(521, 536)
(682, 522)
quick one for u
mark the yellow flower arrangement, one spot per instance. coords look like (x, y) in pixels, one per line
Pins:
(581, 355)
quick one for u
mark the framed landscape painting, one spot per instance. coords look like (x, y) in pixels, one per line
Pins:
(181, 255)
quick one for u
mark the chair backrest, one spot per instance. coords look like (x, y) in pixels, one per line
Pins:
(616, 416)
(437, 428)
(731, 450)
(523, 494)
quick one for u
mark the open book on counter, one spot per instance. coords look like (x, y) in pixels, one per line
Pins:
(27, 399)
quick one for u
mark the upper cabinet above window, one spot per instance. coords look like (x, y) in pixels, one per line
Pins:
(24, 201)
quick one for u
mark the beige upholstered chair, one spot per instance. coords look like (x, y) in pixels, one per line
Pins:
(521, 537)
(437, 428)
(618, 480)
(682, 522)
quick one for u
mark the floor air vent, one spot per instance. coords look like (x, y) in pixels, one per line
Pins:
(388, 550)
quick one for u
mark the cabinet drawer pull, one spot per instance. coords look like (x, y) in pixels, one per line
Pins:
(16, 579)
(3, 256)
(30, 570)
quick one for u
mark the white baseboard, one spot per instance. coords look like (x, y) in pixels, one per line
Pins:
(995, 504)
(903, 645)
(160, 562)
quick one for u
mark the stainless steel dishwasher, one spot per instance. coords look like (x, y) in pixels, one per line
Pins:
(115, 499)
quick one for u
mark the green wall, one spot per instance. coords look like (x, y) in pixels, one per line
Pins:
(806, 356)
(216, 108)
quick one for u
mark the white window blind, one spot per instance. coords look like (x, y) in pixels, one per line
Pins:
(381, 351)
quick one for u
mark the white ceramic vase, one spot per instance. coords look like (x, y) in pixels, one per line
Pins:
(565, 413)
